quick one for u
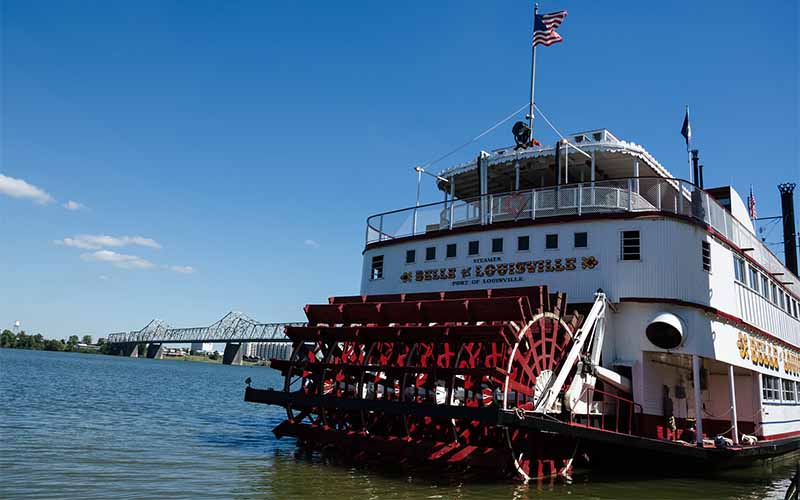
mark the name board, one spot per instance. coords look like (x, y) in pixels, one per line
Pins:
(766, 354)
(492, 270)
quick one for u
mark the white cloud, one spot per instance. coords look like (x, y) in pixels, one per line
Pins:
(17, 188)
(73, 205)
(103, 277)
(98, 241)
(181, 269)
(312, 243)
(118, 259)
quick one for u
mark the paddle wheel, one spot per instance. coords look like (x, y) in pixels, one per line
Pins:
(421, 378)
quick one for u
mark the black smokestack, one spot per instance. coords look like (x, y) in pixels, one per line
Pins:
(789, 230)
(696, 169)
(702, 183)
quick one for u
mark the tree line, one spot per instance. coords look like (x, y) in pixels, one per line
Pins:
(38, 343)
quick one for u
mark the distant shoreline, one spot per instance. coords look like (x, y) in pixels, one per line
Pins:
(24, 342)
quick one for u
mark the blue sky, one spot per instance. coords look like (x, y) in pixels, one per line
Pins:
(232, 150)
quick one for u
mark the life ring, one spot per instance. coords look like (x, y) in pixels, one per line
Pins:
(514, 203)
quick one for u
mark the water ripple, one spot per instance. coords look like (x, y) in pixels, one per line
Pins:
(96, 427)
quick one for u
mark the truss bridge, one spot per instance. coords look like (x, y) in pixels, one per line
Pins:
(241, 335)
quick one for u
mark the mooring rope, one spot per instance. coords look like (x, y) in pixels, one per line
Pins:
(730, 408)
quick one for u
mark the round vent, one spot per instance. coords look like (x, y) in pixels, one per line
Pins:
(665, 331)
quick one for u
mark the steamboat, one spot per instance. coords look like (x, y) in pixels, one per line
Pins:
(563, 305)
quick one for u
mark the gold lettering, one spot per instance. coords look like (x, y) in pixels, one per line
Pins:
(533, 266)
(742, 345)
(588, 262)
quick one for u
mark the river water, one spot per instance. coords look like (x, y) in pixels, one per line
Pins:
(97, 427)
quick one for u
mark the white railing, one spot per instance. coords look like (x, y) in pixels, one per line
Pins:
(642, 194)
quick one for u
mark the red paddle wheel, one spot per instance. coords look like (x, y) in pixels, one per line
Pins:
(421, 378)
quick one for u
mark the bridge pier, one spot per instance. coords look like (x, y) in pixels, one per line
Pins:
(155, 351)
(233, 354)
(130, 350)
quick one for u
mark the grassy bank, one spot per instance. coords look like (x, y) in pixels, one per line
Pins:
(204, 359)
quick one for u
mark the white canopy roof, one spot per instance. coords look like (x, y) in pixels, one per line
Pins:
(613, 159)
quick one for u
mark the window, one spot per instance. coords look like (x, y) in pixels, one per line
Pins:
(497, 244)
(788, 390)
(706, 251)
(523, 243)
(581, 240)
(770, 388)
(451, 250)
(377, 268)
(474, 247)
(782, 299)
(774, 289)
(430, 253)
(551, 241)
(738, 269)
(754, 278)
(765, 286)
(630, 246)
(411, 256)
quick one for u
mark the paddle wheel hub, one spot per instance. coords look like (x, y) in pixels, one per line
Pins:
(421, 378)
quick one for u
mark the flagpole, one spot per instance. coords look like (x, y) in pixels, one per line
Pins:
(689, 147)
(533, 71)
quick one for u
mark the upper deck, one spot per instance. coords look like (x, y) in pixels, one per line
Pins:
(604, 177)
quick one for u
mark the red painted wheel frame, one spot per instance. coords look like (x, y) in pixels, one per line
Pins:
(510, 370)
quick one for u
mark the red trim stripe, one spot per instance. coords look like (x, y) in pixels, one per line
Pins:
(775, 437)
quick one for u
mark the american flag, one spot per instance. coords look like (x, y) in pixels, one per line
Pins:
(751, 204)
(544, 28)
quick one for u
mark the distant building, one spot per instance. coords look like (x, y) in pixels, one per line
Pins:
(203, 346)
(253, 349)
(266, 350)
